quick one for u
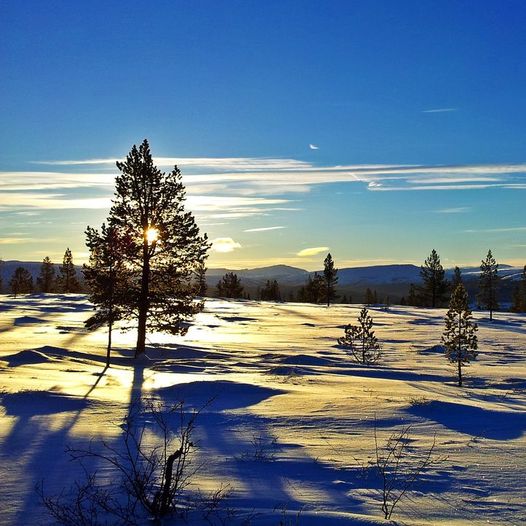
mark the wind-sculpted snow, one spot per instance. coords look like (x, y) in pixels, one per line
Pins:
(287, 417)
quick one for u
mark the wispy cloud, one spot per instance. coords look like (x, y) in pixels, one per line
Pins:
(264, 229)
(497, 230)
(440, 110)
(457, 210)
(313, 251)
(313, 147)
(224, 245)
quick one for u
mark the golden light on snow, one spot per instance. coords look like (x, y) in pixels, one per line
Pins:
(152, 235)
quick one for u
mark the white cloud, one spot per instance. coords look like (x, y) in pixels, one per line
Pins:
(314, 147)
(264, 229)
(440, 110)
(224, 244)
(313, 251)
(458, 210)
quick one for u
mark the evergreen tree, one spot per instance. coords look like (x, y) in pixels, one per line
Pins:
(361, 341)
(270, 292)
(434, 287)
(519, 294)
(488, 284)
(457, 279)
(67, 278)
(369, 297)
(107, 279)
(459, 338)
(46, 279)
(163, 245)
(200, 274)
(413, 298)
(315, 289)
(21, 282)
(229, 286)
(330, 273)
(344, 299)
(403, 301)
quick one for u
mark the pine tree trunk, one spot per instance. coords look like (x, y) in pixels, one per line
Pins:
(459, 372)
(328, 296)
(143, 302)
(108, 351)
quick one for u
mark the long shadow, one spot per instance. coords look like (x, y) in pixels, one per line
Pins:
(472, 420)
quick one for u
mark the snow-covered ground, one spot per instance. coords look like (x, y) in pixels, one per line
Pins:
(291, 427)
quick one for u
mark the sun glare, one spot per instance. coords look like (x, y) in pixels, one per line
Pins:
(152, 235)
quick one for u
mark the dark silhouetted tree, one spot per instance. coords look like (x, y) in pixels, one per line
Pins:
(21, 282)
(200, 279)
(413, 298)
(163, 245)
(1, 276)
(361, 341)
(330, 274)
(369, 297)
(457, 279)
(67, 278)
(434, 286)
(270, 292)
(46, 278)
(459, 338)
(519, 294)
(107, 279)
(229, 286)
(488, 284)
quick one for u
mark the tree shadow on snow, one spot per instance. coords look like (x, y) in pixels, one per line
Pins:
(472, 420)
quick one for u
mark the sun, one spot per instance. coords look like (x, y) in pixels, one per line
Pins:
(152, 235)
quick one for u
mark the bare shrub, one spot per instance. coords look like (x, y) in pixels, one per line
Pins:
(153, 463)
(400, 466)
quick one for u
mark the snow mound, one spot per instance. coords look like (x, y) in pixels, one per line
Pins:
(32, 403)
(27, 357)
(217, 395)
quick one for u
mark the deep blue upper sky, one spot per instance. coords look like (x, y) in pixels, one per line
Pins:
(266, 79)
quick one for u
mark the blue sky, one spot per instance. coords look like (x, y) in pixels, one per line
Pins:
(376, 130)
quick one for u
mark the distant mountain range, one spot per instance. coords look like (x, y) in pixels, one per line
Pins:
(387, 280)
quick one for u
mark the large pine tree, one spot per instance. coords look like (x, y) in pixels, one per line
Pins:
(459, 338)
(46, 278)
(330, 273)
(163, 245)
(67, 277)
(488, 284)
(434, 285)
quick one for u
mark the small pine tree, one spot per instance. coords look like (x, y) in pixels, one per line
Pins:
(344, 299)
(270, 292)
(46, 279)
(67, 278)
(435, 286)
(412, 298)
(107, 279)
(229, 286)
(315, 289)
(488, 284)
(369, 297)
(459, 338)
(361, 341)
(21, 282)
(457, 279)
(330, 273)
(519, 294)
(200, 274)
